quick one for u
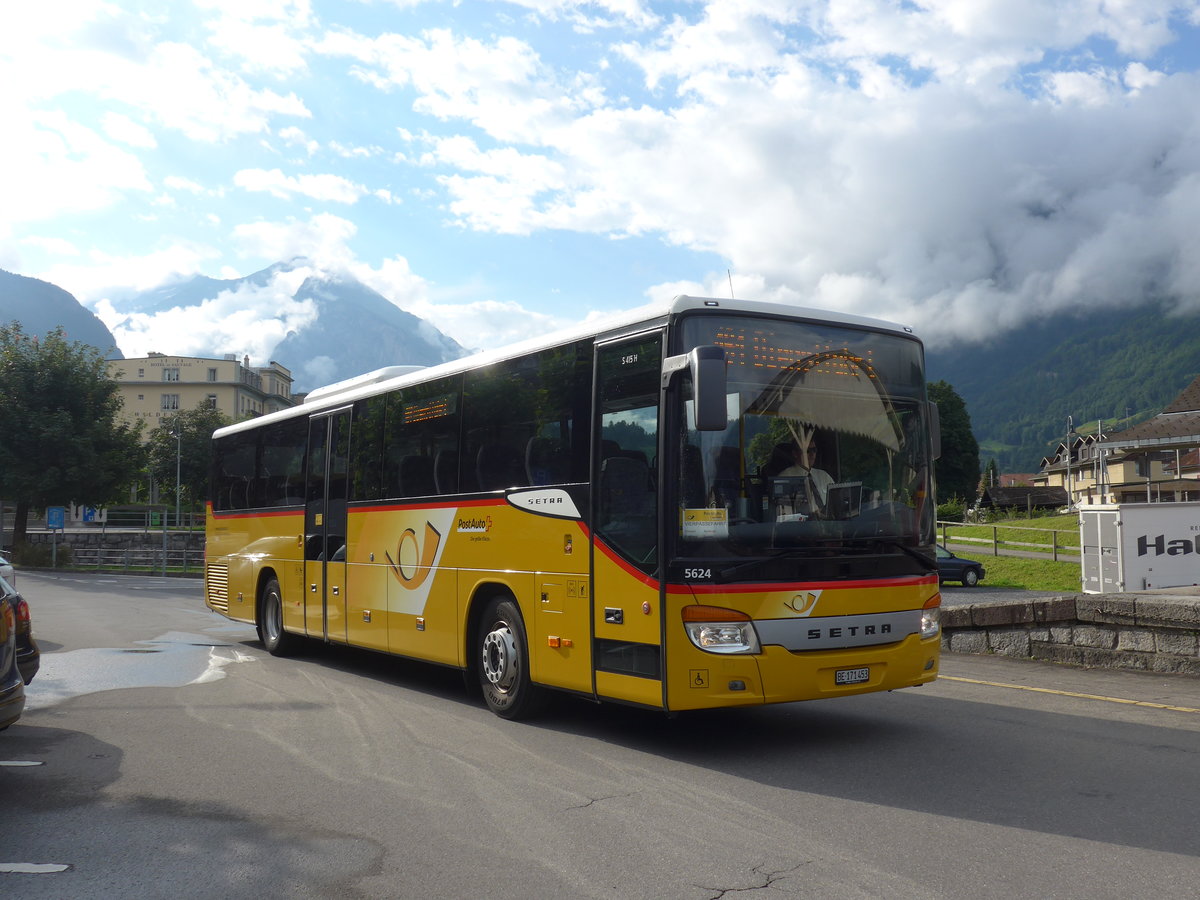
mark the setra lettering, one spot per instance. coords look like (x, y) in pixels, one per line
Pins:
(817, 634)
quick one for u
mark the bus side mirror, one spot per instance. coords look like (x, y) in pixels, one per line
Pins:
(708, 385)
(707, 367)
(935, 430)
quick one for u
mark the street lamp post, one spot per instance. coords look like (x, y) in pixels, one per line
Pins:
(1070, 453)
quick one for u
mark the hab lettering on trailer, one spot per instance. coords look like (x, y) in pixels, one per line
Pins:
(1161, 546)
(417, 554)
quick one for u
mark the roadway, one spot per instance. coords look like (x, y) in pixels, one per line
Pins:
(164, 754)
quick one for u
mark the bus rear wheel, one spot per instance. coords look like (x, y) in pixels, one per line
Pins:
(503, 657)
(270, 621)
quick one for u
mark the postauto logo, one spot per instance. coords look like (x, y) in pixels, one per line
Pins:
(477, 525)
(415, 557)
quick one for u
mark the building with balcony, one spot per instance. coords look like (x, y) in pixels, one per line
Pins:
(1155, 461)
(160, 386)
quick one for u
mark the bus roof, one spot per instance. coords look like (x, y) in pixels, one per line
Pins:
(381, 380)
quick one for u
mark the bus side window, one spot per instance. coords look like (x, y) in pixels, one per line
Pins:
(445, 472)
(499, 466)
(234, 470)
(547, 461)
(416, 476)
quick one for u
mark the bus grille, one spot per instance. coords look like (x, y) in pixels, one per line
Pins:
(216, 587)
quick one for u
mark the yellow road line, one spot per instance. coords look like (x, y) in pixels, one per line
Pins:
(1038, 690)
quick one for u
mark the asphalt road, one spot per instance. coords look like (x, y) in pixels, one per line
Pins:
(166, 755)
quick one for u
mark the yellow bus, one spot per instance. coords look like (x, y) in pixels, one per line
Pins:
(705, 504)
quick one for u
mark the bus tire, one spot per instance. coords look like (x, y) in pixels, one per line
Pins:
(502, 654)
(270, 621)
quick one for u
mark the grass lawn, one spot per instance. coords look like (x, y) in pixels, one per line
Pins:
(1028, 574)
(1013, 571)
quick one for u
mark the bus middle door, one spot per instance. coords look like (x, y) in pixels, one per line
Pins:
(325, 525)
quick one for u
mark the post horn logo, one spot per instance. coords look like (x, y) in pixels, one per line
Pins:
(415, 562)
(803, 604)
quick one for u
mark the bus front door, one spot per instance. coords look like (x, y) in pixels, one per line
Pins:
(325, 525)
(627, 611)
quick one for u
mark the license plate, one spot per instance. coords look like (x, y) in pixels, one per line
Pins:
(851, 676)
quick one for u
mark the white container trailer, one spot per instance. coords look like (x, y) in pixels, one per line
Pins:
(1139, 546)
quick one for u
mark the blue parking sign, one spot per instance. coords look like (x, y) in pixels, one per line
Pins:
(56, 518)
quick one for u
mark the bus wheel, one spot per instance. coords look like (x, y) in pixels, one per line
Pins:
(503, 657)
(270, 621)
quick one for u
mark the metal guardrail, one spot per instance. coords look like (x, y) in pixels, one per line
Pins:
(138, 559)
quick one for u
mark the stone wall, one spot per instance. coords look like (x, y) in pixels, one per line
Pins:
(1153, 631)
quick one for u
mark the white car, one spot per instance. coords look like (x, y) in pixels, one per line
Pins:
(7, 572)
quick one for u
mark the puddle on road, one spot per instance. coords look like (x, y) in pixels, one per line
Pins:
(173, 659)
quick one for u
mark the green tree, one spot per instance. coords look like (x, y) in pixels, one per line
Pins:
(991, 474)
(182, 444)
(61, 440)
(957, 470)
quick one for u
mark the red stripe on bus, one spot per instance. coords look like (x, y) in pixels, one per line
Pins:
(393, 507)
(259, 514)
(904, 581)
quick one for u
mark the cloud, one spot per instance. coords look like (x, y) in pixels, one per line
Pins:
(249, 320)
(589, 16)
(179, 183)
(331, 188)
(943, 164)
(50, 165)
(125, 130)
(58, 246)
(323, 237)
(94, 275)
(953, 164)
(500, 85)
(266, 37)
(485, 324)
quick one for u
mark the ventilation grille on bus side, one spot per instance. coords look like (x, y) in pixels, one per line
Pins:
(216, 587)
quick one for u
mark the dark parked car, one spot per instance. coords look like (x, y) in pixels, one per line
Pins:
(955, 568)
(12, 688)
(29, 656)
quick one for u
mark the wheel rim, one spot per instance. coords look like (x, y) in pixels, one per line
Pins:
(500, 657)
(271, 617)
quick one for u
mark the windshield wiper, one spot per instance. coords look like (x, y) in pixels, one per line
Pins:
(929, 563)
(726, 574)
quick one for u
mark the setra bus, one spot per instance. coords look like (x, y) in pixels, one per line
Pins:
(629, 512)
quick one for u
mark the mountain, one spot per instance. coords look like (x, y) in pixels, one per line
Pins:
(1118, 367)
(354, 330)
(41, 307)
(358, 330)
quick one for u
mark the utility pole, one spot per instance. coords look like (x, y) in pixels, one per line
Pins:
(1070, 452)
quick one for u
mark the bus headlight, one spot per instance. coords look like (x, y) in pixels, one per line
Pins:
(931, 617)
(718, 630)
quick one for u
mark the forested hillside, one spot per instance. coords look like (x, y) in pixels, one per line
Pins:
(1117, 366)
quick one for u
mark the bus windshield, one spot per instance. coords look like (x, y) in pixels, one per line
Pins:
(824, 457)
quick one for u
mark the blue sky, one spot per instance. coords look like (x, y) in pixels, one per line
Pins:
(502, 168)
